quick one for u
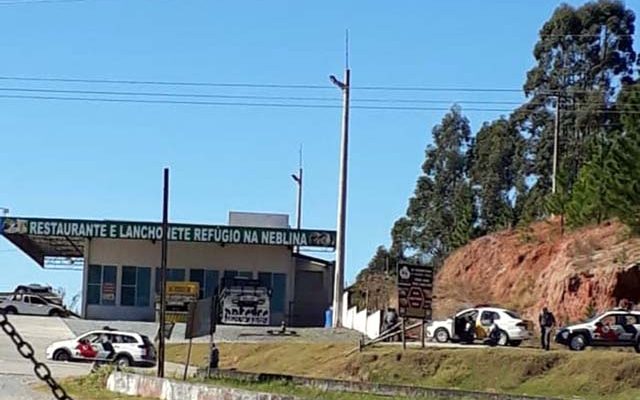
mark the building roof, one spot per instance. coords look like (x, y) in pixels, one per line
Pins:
(42, 238)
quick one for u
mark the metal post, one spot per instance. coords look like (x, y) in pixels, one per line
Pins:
(300, 181)
(186, 366)
(422, 333)
(555, 146)
(163, 272)
(338, 284)
(404, 334)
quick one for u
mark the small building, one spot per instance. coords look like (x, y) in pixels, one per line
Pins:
(120, 261)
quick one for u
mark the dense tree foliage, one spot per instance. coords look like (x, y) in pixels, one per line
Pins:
(501, 176)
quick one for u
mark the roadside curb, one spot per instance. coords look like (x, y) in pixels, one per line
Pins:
(168, 389)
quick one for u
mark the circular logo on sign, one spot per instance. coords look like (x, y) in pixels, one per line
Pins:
(405, 273)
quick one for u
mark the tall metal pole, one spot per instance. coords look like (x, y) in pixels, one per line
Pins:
(163, 272)
(299, 180)
(338, 284)
(555, 146)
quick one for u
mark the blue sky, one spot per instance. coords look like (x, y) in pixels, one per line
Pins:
(104, 160)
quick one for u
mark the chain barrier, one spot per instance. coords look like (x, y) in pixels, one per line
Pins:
(26, 350)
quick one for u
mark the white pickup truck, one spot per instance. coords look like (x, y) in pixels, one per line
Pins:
(32, 305)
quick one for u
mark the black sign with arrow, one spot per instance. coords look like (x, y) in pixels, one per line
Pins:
(415, 287)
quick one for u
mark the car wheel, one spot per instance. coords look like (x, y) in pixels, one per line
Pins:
(10, 310)
(515, 343)
(441, 335)
(578, 342)
(123, 361)
(503, 338)
(637, 346)
(55, 313)
(61, 355)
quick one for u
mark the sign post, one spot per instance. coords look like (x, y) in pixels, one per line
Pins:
(415, 288)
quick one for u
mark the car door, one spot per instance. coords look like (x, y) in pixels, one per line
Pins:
(607, 330)
(484, 323)
(39, 306)
(628, 330)
(25, 306)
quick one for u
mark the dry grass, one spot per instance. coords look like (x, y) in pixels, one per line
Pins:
(590, 374)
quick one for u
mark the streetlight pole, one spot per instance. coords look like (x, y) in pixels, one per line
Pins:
(163, 272)
(298, 180)
(338, 284)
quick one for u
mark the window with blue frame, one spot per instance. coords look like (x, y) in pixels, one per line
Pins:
(135, 287)
(101, 285)
(278, 284)
(173, 275)
(207, 280)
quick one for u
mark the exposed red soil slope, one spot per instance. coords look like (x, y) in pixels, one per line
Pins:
(525, 269)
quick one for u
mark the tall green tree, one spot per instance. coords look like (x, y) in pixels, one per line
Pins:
(494, 172)
(625, 167)
(435, 207)
(591, 195)
(581, 54)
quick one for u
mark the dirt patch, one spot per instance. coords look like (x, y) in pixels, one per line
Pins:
(591, 269)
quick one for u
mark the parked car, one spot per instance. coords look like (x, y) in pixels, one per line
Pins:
(130, 348)
(512, 329)
(616, 327)
(43, 291)
(32, 304)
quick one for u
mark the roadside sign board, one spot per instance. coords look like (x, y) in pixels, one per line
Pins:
(415, 288)
(202, 318)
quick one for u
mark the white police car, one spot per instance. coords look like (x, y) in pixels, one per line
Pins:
(618, 327)
(512, 329)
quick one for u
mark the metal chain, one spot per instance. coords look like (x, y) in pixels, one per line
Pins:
(26, 350)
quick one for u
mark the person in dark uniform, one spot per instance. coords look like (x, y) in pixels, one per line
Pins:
(215, 357)
(547, 322)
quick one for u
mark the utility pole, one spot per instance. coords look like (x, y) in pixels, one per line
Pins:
(555, 146)
(298, 180)
(163, 272)
(338, 284)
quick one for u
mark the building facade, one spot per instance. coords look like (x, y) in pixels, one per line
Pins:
(121, 261)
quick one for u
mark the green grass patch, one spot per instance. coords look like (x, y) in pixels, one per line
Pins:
(589, 375)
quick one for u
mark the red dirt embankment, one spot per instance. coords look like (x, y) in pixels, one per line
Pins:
(524, 269)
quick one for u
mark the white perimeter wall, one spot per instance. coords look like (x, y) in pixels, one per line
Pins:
(361, 321)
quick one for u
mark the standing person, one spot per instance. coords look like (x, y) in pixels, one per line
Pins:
(547, 322)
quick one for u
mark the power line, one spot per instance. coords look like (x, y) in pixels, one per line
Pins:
(275, 105)
(286, 86)
(17, 2)
(279, 98)
(166, 83)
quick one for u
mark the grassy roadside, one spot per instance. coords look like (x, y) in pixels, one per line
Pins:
(589, 375)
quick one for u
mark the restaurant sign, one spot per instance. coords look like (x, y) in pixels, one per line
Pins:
(177, 232)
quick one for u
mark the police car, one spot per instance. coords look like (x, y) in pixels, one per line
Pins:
(512, 329)
(129, 348)
(618, 327)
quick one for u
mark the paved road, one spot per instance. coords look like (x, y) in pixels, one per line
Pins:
(16, 387)
(224, 333)
(16, 373)
(40, 332)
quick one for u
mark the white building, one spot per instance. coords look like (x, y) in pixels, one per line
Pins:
(121, 261)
